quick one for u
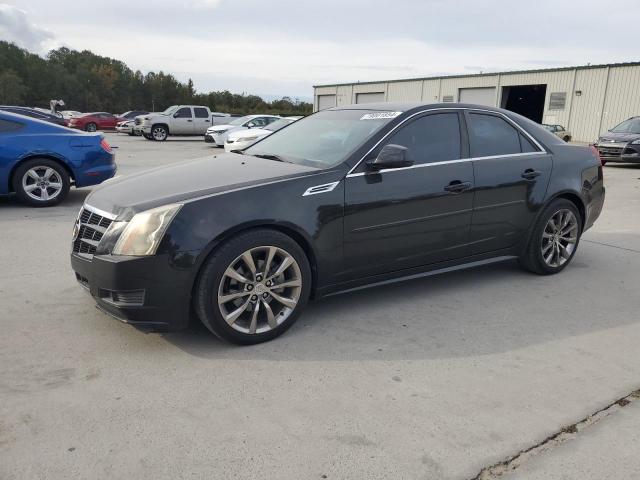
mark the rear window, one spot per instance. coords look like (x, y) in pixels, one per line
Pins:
(201, 112)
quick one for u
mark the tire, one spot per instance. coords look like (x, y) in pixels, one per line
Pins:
(91, 127)
(272, 318)
(543, 236)
(147, 136)
(159, 133)
(40, 171)
(567, 139)
(131, 134)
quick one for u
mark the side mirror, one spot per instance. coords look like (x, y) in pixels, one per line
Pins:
(391, 156)
(251, 125)
(175, 115)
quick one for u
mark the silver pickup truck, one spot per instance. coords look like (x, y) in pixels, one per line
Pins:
(178, 120)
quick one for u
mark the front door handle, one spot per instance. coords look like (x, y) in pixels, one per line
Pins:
(530, 174)
(189, 120)
(456, 186)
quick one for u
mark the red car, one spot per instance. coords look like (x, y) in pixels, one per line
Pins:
(95, 121)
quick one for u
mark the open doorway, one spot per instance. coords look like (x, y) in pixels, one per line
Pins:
(527, 100)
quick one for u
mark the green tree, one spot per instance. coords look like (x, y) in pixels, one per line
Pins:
(12, 90)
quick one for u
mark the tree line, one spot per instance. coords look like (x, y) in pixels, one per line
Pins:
(88, 82)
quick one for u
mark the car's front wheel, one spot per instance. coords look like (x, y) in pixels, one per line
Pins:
(41, 182)
(159, 133)
(554, 238)
(253, 288)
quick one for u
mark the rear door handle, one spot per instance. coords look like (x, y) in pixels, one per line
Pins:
(530, 174)
(189, 120)
(456, 186)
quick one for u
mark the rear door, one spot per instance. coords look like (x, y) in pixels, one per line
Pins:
(511, 175)
(201, 120)
(182, 123)
(407, 217)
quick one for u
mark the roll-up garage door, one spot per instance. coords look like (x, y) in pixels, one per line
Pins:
(479, 96)
(326, 101)
(370, 97)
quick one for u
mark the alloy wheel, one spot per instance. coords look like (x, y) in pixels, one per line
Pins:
(559, 238)
(259, 290)
(42, 183)
(91, 127)
(159, 133)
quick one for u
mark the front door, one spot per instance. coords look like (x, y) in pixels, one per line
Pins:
(411, 216)
(182, 123)
(511, 176)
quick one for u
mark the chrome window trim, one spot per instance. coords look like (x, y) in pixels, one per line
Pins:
(542, 150)
(102, 213)
(446, 162)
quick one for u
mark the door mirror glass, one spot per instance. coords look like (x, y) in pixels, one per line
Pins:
(391, 156)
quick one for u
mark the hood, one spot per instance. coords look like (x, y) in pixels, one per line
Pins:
(250, 132)
(217, 128)
(618, 137)
(128, 195)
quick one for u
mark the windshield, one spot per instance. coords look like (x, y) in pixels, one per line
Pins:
(548, 127)
(241, 120)
(278, 124)
(170, 110)
(628, 126)
(324, 139)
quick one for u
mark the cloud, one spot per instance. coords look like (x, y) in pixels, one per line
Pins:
(206, 3)
(16, 27)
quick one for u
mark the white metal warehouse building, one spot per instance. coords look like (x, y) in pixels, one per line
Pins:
(586, 100)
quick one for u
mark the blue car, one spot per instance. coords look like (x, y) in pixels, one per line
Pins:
(39, 161)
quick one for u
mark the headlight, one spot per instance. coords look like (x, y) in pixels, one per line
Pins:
(219, 132)
(636, 142)
(143, 233)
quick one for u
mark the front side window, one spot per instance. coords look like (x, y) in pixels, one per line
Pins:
(490, 135)
(324, 139)
(432, 138)
(9, 126)
(201, 112)
(184, 112)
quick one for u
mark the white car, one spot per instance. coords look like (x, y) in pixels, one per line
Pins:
(126, 127)
(218, 133)
(241, 139)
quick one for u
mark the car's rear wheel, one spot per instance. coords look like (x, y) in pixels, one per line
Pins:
(41, 182)
(254, 287)
(567, 138)
(159, 133)
(554, 238)
(91, 127)
(147, 136)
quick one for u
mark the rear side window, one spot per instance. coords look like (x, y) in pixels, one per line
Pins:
(184, 112)
(8, 126)
(490, 135)
(525, 144)
(433, 138)
(201, 112)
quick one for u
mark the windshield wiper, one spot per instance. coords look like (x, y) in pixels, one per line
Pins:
(271, 156)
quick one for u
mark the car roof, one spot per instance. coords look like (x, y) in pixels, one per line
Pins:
(16, 117)
(408, 106)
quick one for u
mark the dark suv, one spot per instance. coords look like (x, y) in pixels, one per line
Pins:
(621, 143)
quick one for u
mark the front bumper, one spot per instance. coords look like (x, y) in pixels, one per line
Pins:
(124, 129)
(619, 153)
(238, 145)
(142, 291)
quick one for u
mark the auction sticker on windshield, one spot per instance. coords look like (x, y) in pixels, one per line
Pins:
(379, 115)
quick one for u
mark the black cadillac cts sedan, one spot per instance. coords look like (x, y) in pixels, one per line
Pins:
(347, 197)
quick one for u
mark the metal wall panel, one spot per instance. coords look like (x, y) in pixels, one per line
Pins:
(609, 94)
(404, 91)
(586, 109)
(345, 95)
(370, 97)
(622, 98)
(478, 96)
(326, 101)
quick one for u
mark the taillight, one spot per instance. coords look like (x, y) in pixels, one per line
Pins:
(105, 145)
(596, 153)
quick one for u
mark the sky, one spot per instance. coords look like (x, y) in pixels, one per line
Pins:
(284, 47)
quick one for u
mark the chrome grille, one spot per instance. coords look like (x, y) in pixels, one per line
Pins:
(91, 227)
(610, 151)
(138, 121)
